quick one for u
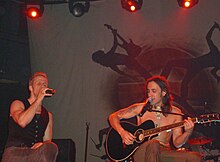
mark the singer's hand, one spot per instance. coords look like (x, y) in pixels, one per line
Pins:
(42, 93)
(37, 145)
(50, 91)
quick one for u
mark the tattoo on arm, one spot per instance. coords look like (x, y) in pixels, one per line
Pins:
(127, 112)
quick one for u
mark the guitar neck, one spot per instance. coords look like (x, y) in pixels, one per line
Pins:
(167, 127)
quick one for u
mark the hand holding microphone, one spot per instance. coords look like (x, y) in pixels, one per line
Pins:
(45, 92)
(50, 91)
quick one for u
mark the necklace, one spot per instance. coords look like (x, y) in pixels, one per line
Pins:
(158, 114)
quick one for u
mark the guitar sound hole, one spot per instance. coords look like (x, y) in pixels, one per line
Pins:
(139, 134)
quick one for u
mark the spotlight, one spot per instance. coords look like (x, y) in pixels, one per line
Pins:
(78, 7)
(35, 11)
(131, 5)
(187, 3)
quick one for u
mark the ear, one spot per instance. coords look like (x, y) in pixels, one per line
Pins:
(164, 93)
(30, 88)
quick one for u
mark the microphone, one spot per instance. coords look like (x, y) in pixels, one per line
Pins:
(150, 99)
(50, 91)
(146, 106)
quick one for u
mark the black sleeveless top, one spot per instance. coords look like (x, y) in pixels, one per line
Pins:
(32, 133)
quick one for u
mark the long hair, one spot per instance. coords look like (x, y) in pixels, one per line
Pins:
(163, 84)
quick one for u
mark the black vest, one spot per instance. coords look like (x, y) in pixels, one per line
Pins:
(32, 133)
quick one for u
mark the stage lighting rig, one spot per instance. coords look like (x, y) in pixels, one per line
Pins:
(131, 5)
(187, 3)
(78, 7)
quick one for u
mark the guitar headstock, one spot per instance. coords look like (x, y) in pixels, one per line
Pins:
(207, 118)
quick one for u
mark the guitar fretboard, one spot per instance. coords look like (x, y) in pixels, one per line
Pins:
(164, 128)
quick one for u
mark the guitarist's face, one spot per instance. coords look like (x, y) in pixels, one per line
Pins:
(155, 93)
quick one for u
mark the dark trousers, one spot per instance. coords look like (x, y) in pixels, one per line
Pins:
(152, 151)
(45, 153)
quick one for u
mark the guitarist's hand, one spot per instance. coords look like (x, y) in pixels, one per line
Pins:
(188, 125)
(127, 137)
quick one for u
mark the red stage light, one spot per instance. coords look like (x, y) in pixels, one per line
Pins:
(133, 8)
(187, 3)
(33, 12)
(132, 5)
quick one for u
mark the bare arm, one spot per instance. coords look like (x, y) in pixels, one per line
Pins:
(21, 116)
(49, 130)
(125, 113)
(180, 137)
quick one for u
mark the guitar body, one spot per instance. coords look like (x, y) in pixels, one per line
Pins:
(118, 151)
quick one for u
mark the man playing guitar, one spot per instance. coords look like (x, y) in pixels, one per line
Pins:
(158, 148)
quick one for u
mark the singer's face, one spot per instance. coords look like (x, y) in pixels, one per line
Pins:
(39, 83)
(155, 93)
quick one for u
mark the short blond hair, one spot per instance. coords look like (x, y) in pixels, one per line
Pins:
(36, 74)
